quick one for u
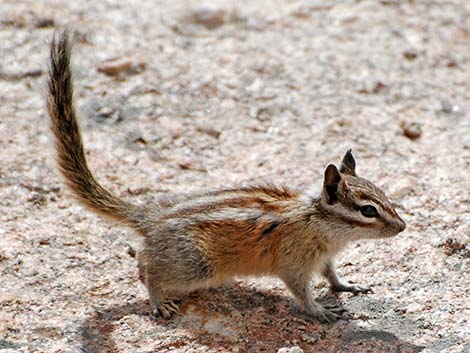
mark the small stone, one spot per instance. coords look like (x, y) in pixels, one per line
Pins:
(410, 55)
(372, 87)
(15, 73)
(114, 67)
(138, 190)
(390, 314)
(411, 203)
(450, 108)
(400, 188)
(379, 87)
(261, 113)
(189, 165)
(301, 13)
(33, 72)
(255, 86)
(8, 298)
(171, 125)
(412, 130)
(294, 349)
(452, 246)
(310, 338)
(37, 199)
(209, 15)
(110, 109)
(19, 21)
(209, 131)
(105, 112)
(44, 22)
(131, 251)
(452, 64)
(44, 242)
(185, 165)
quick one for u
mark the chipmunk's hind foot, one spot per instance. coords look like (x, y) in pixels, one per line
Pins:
(167, 309)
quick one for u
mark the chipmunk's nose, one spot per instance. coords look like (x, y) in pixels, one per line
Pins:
(401, 225)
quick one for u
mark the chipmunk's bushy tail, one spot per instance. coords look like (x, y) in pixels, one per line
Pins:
(68, 139)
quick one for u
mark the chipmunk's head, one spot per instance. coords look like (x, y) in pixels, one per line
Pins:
(356, 204)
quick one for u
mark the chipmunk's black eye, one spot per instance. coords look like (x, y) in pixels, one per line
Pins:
(369, 211)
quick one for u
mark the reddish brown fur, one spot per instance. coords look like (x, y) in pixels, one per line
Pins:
(238, 247)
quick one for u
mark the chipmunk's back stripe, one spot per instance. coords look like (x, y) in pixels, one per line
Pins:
(214, 202)
(194, 208)
(271, 191)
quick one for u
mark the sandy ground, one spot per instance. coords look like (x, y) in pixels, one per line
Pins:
(259, 90)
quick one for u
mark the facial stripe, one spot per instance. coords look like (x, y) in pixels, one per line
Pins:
(358, 192)
(339, 212)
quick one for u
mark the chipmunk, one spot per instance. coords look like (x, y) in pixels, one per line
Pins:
(201, 240)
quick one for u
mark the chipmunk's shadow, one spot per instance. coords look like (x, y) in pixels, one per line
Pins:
(197, 308)
(235, 315)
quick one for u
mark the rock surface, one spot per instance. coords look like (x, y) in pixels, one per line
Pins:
(274, 95)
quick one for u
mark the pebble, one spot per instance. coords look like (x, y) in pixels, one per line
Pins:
(44, 22)
(400, 188)
(310, 338)
(412, 130)
(414, 308)
(410, 55)
(294, 349)
(209, 15)
(369, 87)
(8, 298)
(411, 203)
(450, 108)
(189, 165)
(105, 111)
(14, 74)
(114, 67)
(209, 131)
(37, 199)
(171, 125)
(112, 109)
(255, 86)
(389, 314)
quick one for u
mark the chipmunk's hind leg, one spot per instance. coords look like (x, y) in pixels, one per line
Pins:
(161, 305)
(163, 271)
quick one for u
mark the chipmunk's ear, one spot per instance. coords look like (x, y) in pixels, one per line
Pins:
(330, 184)
(348, 164)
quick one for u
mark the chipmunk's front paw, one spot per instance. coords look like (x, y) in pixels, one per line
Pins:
(167, 309)
(328, 313)
(352, 288)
